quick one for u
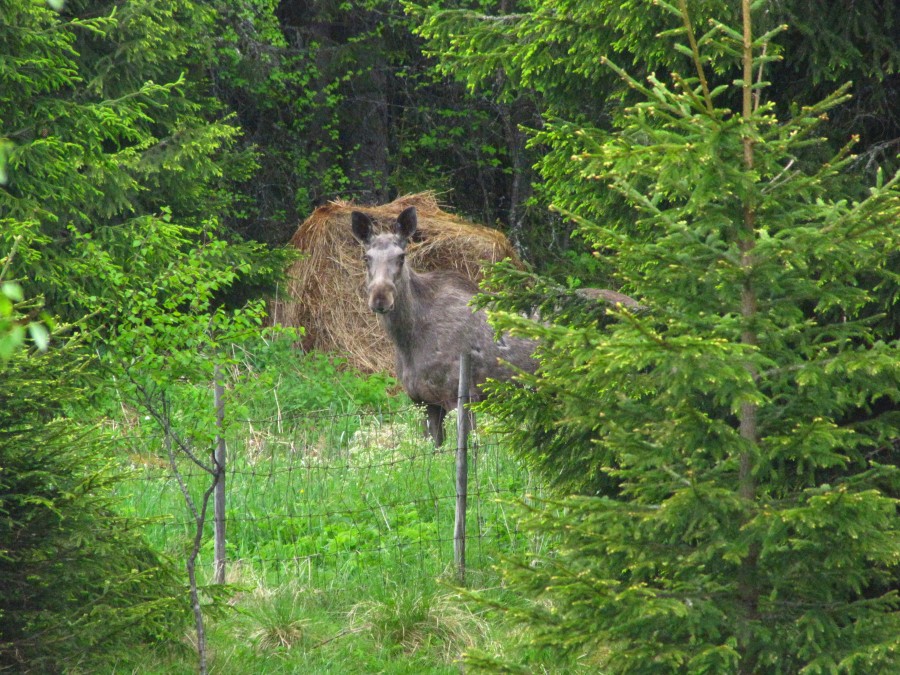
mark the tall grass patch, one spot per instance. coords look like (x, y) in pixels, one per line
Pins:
(339, 515)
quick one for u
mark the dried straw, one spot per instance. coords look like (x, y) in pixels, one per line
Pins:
(326, 286)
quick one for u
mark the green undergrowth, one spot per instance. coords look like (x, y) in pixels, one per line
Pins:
(340, 520)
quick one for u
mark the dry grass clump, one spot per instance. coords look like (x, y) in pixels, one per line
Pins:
(326, 287)
(277, 618)
(416, 619)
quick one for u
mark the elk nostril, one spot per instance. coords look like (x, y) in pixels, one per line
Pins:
(381, 297)
(381, 305)
(381, 302)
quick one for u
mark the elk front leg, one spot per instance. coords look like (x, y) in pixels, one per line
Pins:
(435, 423)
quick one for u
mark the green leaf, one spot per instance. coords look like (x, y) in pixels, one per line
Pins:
(10, 342)
(13, 291)
(40, 335)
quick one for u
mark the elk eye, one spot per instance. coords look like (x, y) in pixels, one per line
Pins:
(402, 258)
(366, 259)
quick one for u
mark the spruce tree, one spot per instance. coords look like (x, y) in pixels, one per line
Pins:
(548, 53)
(114, 158)
(735, 440)
(113, 166)
(80, 588)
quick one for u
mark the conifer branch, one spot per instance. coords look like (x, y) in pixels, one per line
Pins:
(757, 95)
(9, 258)
(695, 50)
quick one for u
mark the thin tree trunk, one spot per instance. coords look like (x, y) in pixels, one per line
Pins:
(191, 565)
(515, 145)
(749, 423)
(748, 417)
(219, 459)
(519, 189)
(192, 577)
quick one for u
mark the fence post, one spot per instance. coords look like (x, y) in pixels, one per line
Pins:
(219, 466)
(462, 468)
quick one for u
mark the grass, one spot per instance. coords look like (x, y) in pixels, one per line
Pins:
(340, 525)
(413, 619)
(298, 507)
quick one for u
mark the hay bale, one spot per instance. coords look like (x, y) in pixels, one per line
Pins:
(326, 293)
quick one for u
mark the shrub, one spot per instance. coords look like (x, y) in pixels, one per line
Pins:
(79, 586)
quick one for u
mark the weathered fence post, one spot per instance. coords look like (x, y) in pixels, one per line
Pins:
(219, 467)
(462, 466)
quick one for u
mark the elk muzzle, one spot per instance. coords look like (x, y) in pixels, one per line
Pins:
(381, 298)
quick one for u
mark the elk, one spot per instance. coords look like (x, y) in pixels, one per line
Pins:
(428, 318)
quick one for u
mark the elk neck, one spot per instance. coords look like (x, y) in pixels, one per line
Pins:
(404, 322)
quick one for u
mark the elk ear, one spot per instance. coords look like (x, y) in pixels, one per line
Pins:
(362, 227)
(406, 223)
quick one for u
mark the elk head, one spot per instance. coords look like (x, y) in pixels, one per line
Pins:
(385, 256)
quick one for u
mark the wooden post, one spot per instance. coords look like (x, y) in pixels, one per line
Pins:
(462, 467)
(219, 466)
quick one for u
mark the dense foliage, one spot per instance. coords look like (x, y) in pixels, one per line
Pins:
(114, 179)
(79, 585)
(732, 443)
(547, 55)
(339, 102)
(109, 145)
(736, 441)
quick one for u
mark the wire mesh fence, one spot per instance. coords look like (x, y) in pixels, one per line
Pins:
(326, 495)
